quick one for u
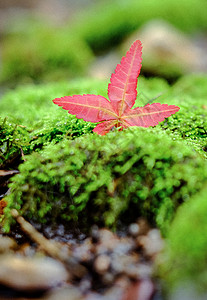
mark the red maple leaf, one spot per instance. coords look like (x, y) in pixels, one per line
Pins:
(122, 93)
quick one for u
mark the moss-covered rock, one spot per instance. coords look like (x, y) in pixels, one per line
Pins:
(185, 255)
(105, 179)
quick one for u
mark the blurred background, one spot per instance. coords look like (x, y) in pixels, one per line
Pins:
(51, 40)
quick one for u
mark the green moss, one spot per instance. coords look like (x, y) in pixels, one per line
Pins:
(185, 255)
(13, 138)
(190, 94)
(31, 107)
(105, 179)
(30, 104)
(190, 123)
(43, 122)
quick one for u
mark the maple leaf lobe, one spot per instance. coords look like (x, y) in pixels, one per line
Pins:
(90, 108)
(122, 89)
(149, 115)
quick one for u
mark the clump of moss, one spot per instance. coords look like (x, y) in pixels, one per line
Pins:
(57, 129)
(13, 139)
(43, 122)
(190, 123)
(30, 104)
(105, 179)
(189, 93)
(185, 255)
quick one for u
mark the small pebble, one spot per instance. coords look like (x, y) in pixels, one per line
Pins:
(152, 243)
(143, 226)
(107, 241)
(60, 230)
(138, 271)
(82, 252)
(107, 278)
(114, 293)
(102, 264)
(134, 229)
(155, 243)
(69, 293)
(85, 284)
(7, 244)
(24, 273)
